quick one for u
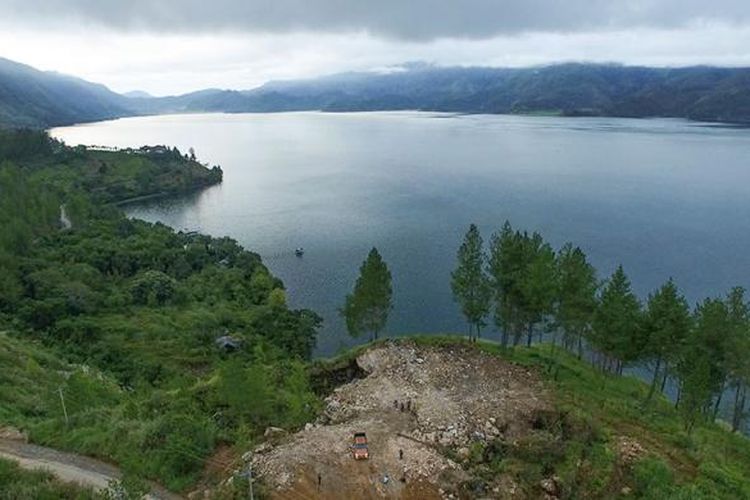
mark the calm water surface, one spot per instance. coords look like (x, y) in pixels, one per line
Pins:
(662, 197)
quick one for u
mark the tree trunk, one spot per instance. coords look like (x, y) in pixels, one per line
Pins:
(653, 382)
(736, 414)
(580, 346)
(664, 378)
(718, 402)
(529, 334)
(679, 395)
(741, 414)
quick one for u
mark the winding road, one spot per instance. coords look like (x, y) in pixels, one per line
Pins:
(70, 467)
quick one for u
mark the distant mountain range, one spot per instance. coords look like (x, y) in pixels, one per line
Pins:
(39, 99)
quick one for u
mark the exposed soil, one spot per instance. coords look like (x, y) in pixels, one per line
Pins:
(452, 397)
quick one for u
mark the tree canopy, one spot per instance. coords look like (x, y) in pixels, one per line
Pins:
(366, 309)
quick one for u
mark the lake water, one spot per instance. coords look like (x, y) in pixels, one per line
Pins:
(662, 197)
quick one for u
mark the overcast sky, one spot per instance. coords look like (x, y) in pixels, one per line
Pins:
(175, 46)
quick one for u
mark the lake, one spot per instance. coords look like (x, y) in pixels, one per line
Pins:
(662, 197)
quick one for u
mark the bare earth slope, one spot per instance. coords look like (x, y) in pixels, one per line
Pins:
(451, 396)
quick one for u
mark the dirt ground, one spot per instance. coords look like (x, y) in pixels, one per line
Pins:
(451, 396)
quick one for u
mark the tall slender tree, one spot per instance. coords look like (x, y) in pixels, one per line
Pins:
(616, 332)
(505, 275)
(366, 309)
(702, 365)
(738, 352)
(666, 325)
(576, 295)
(538, 286)
(469, 283)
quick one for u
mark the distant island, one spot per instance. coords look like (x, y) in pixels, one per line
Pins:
(697, 93)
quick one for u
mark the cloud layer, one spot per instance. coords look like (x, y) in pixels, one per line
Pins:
(403, 19)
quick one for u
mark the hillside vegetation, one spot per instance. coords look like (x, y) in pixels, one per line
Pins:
(33, 98)
(104, 176)
(171, 353)
(122, 317)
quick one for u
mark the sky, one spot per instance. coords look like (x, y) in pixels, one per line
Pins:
(169, 47)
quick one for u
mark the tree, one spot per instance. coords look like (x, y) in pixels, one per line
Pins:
(470, 286)
(522, 271)
(737, 350)
(576, 295)
(367, 308)
(503, 269)
(708, 350)
(538, 285)
(617, 322)
(702, 361)
(666, 324)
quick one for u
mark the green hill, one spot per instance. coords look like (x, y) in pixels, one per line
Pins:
(33, 98)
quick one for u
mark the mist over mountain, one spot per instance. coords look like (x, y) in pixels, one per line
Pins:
(38, 99)
(700, 93)
(33, 98)
(137, 93)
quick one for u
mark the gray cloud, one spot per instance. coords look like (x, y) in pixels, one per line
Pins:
(404, 19)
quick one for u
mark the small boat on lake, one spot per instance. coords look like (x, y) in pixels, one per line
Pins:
(299, 252)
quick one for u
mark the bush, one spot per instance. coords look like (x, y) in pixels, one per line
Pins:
(152, 288)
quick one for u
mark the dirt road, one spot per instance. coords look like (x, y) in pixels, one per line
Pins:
(69, 467)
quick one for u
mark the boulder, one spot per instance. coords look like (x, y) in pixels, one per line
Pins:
(551, 486)
(272, 432)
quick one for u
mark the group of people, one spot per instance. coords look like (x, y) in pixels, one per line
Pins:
(399, 405)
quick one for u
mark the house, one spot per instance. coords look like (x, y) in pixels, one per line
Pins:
(227, 343)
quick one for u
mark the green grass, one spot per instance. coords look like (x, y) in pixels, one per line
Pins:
(19, 484)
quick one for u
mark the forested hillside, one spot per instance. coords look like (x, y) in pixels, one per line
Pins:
(33, 98)
(153, 337)
(108, 176)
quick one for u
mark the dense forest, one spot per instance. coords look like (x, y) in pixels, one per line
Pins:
(163, 345)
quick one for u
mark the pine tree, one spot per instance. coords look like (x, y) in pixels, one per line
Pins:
(367, 308)
(538, 286)
(616, 332)
(576, 295)
(667, 322)
(737, 349)
(504, 271)
(701, 365)
(470, 286)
